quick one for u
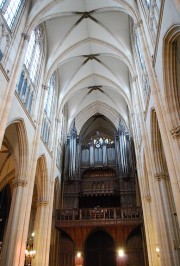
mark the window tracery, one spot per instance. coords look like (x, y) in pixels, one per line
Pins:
(11, 9)
(153, 7)
(27, 84)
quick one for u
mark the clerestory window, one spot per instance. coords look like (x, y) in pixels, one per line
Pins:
(27, 84)
(11, 9)
(33, 53)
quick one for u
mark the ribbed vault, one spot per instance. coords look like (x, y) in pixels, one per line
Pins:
(89, 47)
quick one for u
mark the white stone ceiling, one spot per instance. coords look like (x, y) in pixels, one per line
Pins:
(89, 47)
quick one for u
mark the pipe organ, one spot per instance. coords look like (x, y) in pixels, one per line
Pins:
(99, 171)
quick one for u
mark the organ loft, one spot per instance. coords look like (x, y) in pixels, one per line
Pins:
(101, 193)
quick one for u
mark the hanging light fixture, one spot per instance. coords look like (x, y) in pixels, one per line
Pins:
(30, 253)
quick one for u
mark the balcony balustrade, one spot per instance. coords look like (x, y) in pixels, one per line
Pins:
(97, 215)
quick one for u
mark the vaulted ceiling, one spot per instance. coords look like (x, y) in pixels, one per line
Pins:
(89, 47)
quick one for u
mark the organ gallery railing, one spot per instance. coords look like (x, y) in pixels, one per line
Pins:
(97, 214)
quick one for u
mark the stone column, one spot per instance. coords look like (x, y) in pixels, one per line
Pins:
(172, 167)
(7, 100)
(156, 206)
(40, 239)
(167, 222)
(13, 244)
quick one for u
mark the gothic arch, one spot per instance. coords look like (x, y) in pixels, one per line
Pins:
(92, 109)
(99, 248)
(172, 94)
(15, 144)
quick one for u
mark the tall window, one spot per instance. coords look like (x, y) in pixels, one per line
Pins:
(153, 16)
(27, 84)
(49, 111)
(33, 54)
(11, 9)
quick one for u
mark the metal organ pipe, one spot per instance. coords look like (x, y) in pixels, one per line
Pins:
(104, 151)
(72, 163)
(123, 150)
(91, 151)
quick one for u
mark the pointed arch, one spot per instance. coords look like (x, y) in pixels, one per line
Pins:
(23, 147)
(172, 92)
(92, 109)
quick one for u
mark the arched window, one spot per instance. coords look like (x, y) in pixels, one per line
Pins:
(29, 52)
(11, 9)
(27, 84)
(33, 53)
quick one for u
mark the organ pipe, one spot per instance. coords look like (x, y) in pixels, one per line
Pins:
(72, 150)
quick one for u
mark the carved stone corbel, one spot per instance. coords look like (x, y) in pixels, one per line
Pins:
(161, 176)
(175, 132)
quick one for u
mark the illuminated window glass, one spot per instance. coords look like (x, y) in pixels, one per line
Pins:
(35, 62)
(11, 11)
(33, 53)
(50, 97)
(29, 51)
(2, 3)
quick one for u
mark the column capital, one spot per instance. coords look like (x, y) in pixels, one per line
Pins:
(148, 198)
(175, 132)
(138, 24)
(41, 203)
(161, 176)
(19, 183)
(25, 36)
